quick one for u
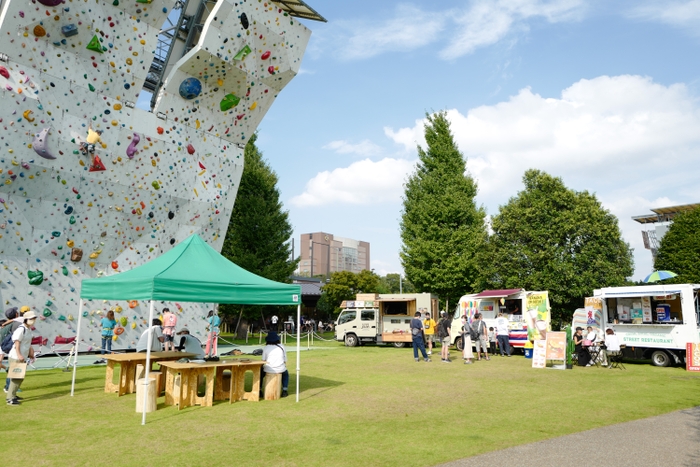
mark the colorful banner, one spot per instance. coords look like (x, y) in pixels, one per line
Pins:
(468, 308)
(539, 354)
(593, 316)
(537, 317)
(692, 357)
(556, 346)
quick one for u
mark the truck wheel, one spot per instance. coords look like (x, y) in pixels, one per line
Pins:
(351, 340)
(459, 344)
(399, 345)
(660, 358)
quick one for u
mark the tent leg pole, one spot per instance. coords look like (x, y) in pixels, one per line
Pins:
(148, 361)
(77, 344)
(298, 347)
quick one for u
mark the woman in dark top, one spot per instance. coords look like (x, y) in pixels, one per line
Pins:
(584, 357)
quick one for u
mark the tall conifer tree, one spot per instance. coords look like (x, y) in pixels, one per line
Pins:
(442, 228)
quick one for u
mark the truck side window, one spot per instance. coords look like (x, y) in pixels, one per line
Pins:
(347, 316)
(367, 315)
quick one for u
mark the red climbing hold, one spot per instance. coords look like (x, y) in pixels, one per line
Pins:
(160, 130)
(265, 55)
(271, 69)
(201, 166)
(97, 165)
(190, 149)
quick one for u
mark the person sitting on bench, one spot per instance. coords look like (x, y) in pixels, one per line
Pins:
(276, 357)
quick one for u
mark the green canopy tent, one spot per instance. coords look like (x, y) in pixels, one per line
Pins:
(191, 272)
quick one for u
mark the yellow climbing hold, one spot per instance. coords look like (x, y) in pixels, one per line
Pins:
(27, 117)
(253, 105)
(115, 123)
(117, 106)
(129, 61)
(70, 243)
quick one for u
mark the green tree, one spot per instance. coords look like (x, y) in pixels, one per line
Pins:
(393, 283)
(442, 228)
(680, 248)
(258, 233)
(552, 238)
(345, 285)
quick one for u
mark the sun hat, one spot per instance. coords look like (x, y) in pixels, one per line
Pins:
(11, 313)
(24, 309)
(29, 315)
(183, 330)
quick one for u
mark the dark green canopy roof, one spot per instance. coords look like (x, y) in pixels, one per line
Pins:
(192, 272)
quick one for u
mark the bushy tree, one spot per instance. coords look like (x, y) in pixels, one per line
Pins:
(679, 251)
(550, 237)
(258, 233)
(345, 285)
(393, 283)
(442, 228)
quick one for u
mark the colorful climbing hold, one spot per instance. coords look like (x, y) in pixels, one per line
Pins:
(190, 88)
(35, 277)
(228, 102)
(265, 55)
(243, 53)
(190, 149)
(131, 150)
(39, 144)
(94, 45)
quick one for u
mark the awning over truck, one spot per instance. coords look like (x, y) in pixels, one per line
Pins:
(396, 299)
(497, 293)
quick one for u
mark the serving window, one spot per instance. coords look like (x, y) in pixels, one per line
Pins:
(645, 310)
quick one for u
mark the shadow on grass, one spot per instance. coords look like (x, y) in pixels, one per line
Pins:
(695, 427)
(311, 383)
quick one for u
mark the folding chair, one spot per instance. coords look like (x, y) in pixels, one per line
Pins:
(615, 359)
(63, 347)
(38, 344)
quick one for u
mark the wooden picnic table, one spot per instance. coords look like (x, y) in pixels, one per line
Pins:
(127, 363)
(184, 394)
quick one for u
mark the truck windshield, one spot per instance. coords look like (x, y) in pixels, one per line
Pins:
(346, 316)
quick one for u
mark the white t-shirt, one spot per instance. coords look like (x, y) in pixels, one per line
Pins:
(591, 336)
(612, 344)
(155, 340)
(24, 335)
(502, 326)
(192, 345)
(274, 319)
(276, 357)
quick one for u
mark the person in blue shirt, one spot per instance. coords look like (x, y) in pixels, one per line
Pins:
(213, 328)
(108, 323)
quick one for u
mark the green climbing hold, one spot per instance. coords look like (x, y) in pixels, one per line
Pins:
(35, 277)
(115, 3)
(242, 53)
(229, 101)
(47, 313)
(85, 314)
(155, 185)
(123, 320)
(65, 271)
(72, 220)
(94, 45)
(49, 303)
(91, 87)
(61, 318)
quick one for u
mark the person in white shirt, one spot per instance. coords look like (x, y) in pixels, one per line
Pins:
(156, 338)
(612, 344)
(22, 351)
(190, 344)
(502, 334)
(276, 357)
(274, 321)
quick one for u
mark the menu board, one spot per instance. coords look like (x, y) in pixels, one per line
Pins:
(539, 354)
(646, 309)
(556, 346)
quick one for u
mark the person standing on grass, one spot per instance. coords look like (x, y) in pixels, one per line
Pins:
(444, 331)
(482, 340)
(213, 337)
(502, 334)
(467, 352)
(417, 337)
(21, 352)
(492, 341)
(429, 325)
(169, 323)
(14, 321)
(108, 323)
(274, 320)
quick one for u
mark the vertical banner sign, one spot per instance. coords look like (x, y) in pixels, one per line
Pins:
(468, 308)
(556, 346)
(539, 354)
(537, 316)
(692, 357)
(594, 315)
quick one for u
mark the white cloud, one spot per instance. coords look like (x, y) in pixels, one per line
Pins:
(462, 30)
(487, 22)
(632, 141)
(685, 14)
(363, 148)
(363, 182)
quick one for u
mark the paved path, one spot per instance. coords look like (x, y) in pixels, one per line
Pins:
(671, 440)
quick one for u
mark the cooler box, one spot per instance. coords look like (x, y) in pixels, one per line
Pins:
(663, 312)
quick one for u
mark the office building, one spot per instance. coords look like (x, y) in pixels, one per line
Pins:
(324, 253)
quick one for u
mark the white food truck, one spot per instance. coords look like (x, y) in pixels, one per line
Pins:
(510, 302)
(653, 321)
(381, 318)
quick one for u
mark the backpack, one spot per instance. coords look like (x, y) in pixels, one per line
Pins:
(7, 342)
(474, 331)
(442, 329)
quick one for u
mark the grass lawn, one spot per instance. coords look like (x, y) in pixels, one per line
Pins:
(358, 406)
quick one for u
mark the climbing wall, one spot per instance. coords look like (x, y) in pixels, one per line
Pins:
(90, 185)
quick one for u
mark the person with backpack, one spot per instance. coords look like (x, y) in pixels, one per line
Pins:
(416, 327)
(13, 322)
(480, 336)
(467, 352)
(444, 330)
(21, 352)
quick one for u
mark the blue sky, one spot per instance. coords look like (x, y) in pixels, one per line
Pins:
(604, 94)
